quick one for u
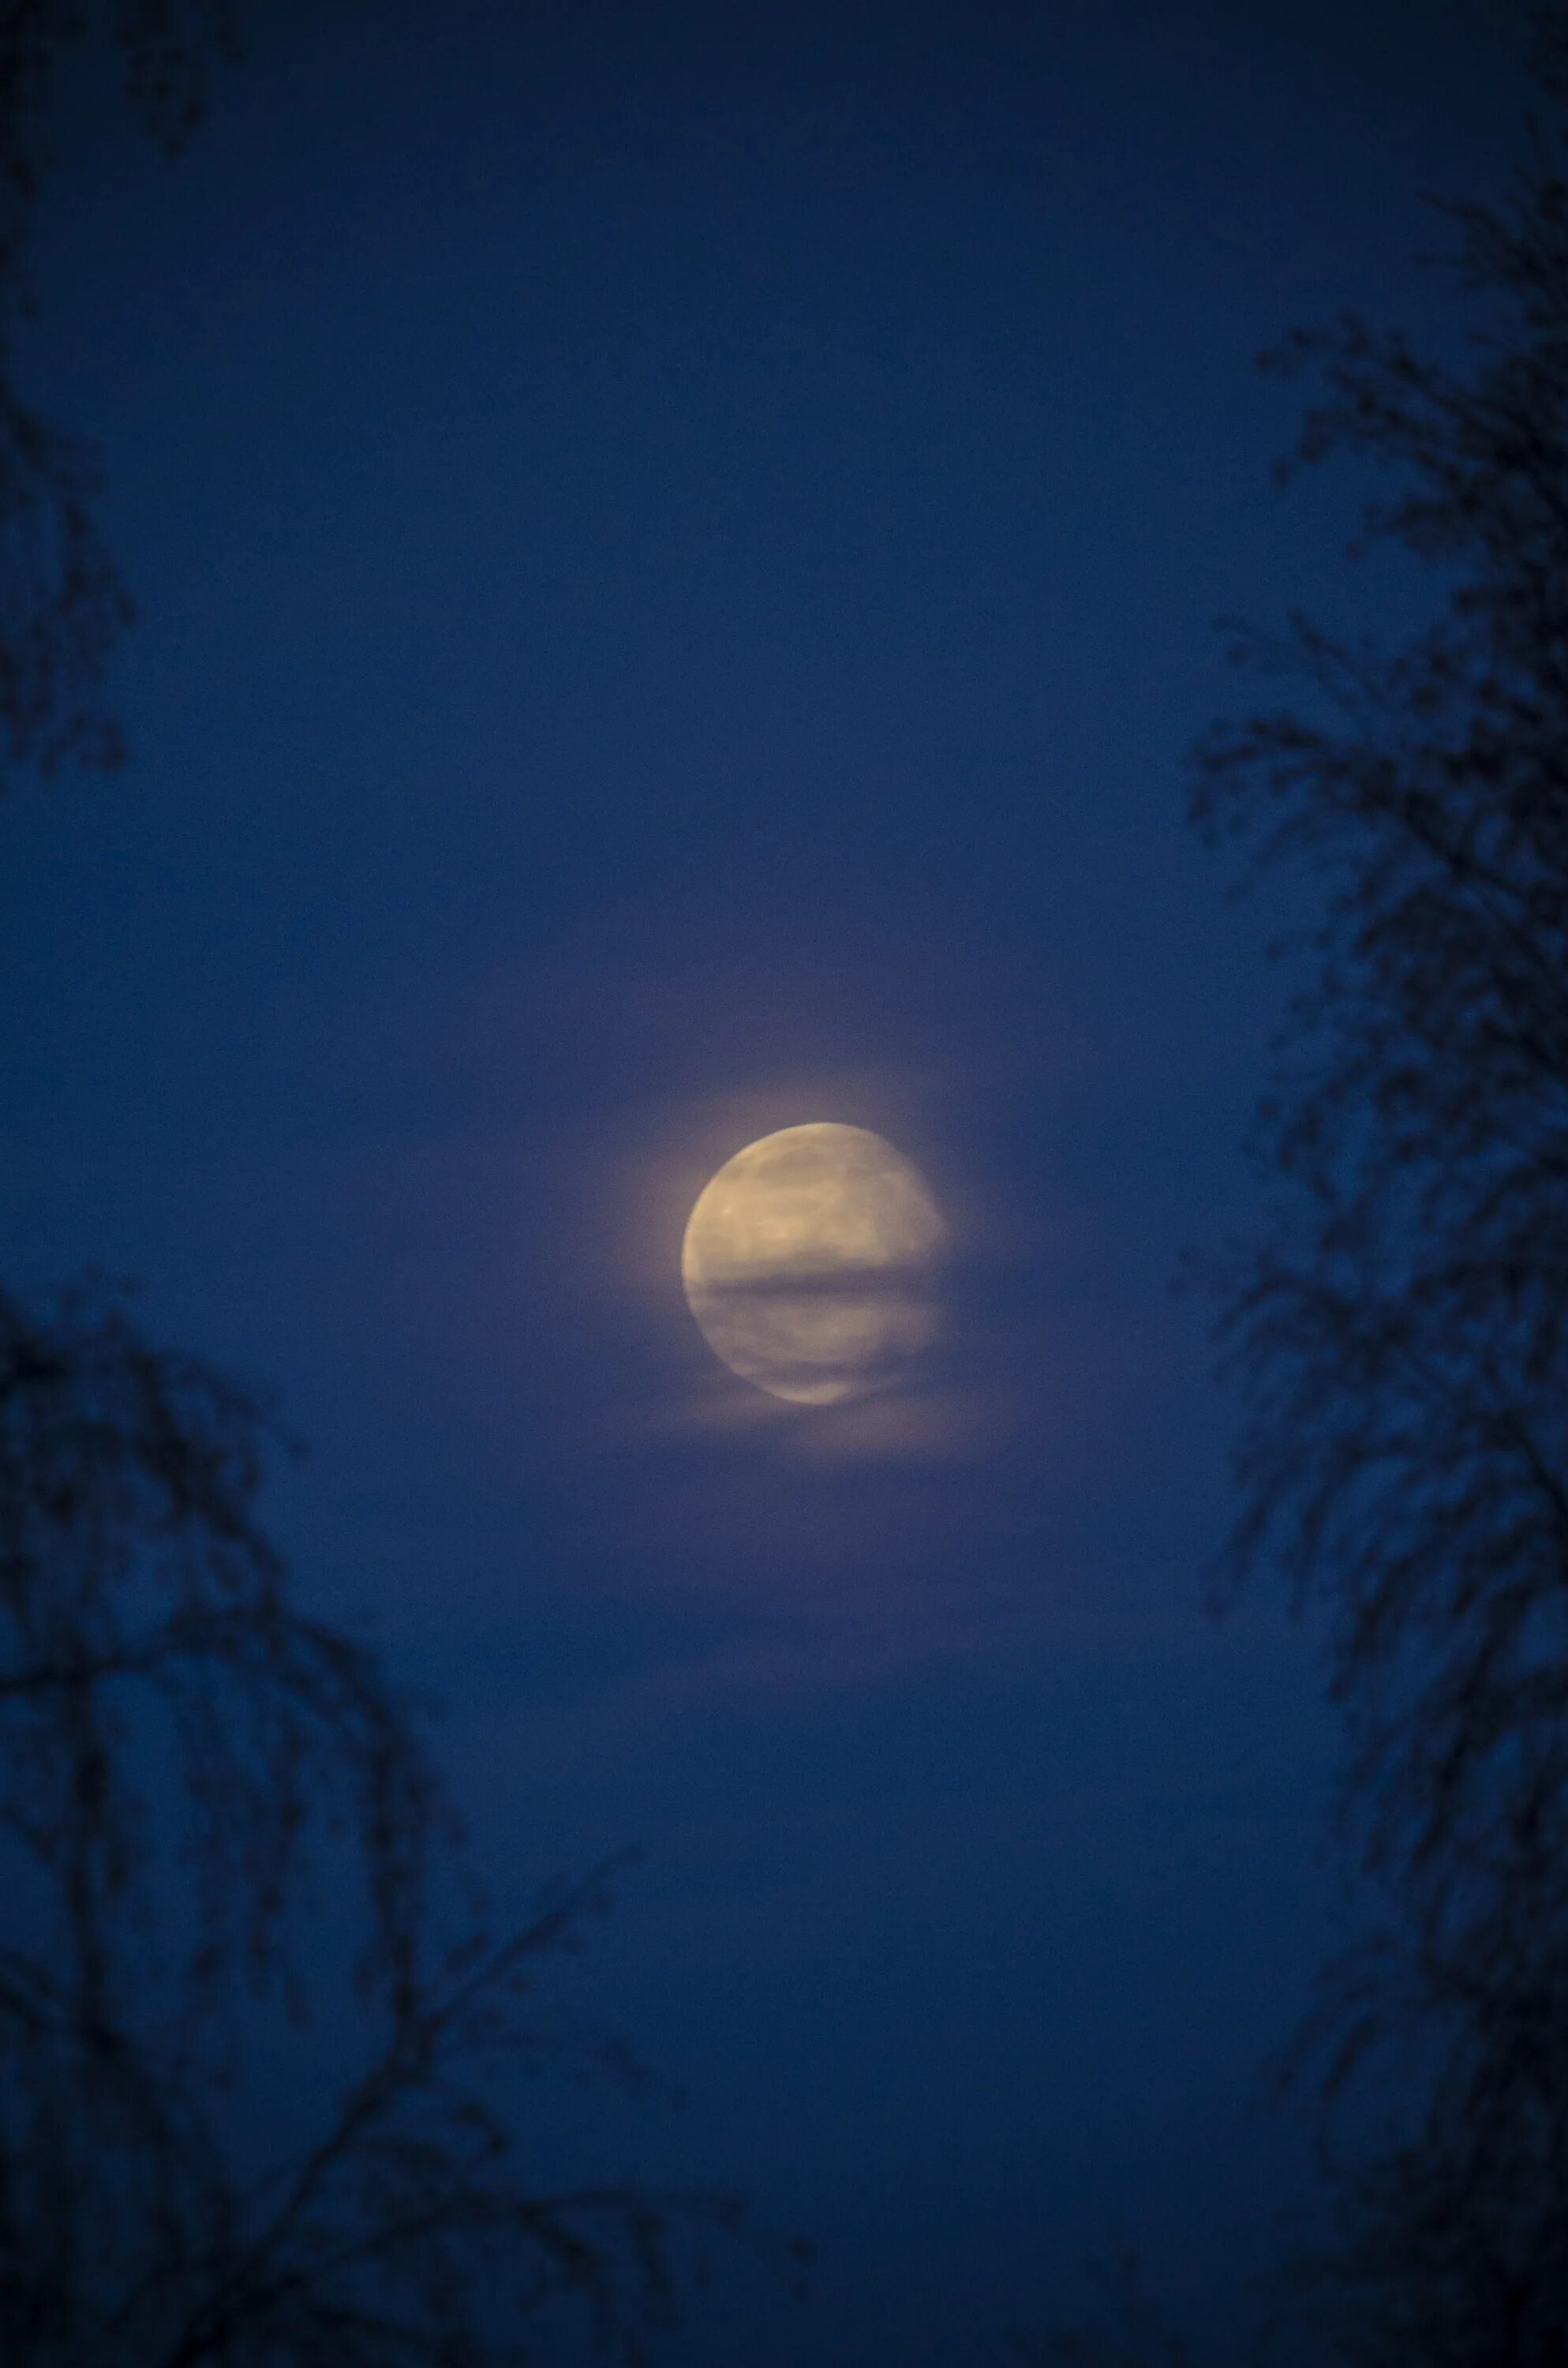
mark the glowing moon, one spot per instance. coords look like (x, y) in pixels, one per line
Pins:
(809, 1263)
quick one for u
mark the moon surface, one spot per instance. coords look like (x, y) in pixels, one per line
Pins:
(810, 1263)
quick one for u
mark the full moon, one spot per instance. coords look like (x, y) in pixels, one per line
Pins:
(808, 1263)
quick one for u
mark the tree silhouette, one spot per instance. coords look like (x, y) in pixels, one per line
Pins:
(189, 1762)
(1400, 1335)
(62, 603)
(178, 1746)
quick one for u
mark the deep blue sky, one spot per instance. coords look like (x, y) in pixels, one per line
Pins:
(678, 550)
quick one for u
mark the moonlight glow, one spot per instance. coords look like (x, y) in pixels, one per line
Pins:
(808, 1263)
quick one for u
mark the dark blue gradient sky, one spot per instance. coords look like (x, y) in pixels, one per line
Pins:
(677, 552)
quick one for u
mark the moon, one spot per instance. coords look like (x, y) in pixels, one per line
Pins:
(810, 1262)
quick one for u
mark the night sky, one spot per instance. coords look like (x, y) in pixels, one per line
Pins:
(677, 553)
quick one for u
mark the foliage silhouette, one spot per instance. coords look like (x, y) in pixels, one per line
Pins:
(1400, 1335)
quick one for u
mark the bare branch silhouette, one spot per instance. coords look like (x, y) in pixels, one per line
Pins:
(62, 604)
(189, 1761)
(179, 1747)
